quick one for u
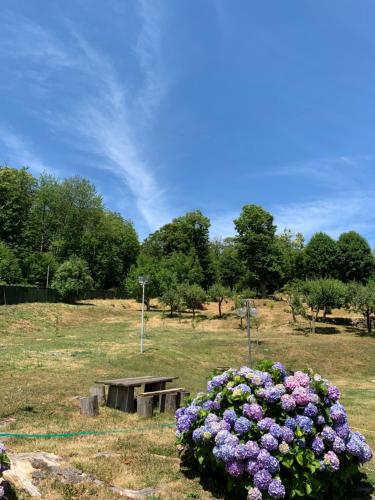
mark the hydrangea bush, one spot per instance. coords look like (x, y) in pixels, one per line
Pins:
(4, 465)
(271, 434)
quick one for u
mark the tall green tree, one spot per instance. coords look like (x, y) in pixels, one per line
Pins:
(256, 245)
(193, 296)
(219, 293)
(321, 257)
(355, 261)
(10, 271)
(17, 188)
(184, 235)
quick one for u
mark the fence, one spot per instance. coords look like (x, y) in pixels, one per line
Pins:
(20, 294)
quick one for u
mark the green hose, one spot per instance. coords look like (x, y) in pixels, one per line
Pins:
(82, 433)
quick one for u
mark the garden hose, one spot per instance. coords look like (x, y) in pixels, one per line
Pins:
(83, 433)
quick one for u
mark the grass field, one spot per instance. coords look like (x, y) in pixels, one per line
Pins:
(52, 353)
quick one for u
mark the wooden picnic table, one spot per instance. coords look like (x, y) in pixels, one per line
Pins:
(121, 390)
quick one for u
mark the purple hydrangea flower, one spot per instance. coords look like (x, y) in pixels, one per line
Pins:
(288, 434)
(291, 423)
(183, 423)
(317, 446)
(366, 453)
(198, 434)
(244, 388)
(253, 448)
(242, 452)
(230, 416)
(342, 430)
(274, 465)
(265, 423)
(252, 467)
(254, 494)
(301, 396)
(242, 425)
(305, 423)
(338, 414)
(262, 479)
(273, 394)
(253, 411)
(302, 378)
(288, 402)
(221, 437)
(291, 382)
(333, 393)
(332, 460)
(227, 453)
(208, 405)
(276, 489)
(235, 468)
(328, 434)
(276, 431)
(269, 442)
(264, 459)
(310, 410)
(217, 381)
(320, 420)
(338, 445)
(280, 367)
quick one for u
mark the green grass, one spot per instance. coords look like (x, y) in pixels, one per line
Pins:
(52, 353)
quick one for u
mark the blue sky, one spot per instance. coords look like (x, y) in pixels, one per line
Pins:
(169, 106)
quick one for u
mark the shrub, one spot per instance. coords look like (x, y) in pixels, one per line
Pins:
(72, 278)
(274, 434)
(10, 271)
(4, 465)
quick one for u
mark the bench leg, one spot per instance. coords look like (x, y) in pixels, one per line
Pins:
(172, 402)
(121, 398)
(145, 406)
(183, 395)
(157, 386)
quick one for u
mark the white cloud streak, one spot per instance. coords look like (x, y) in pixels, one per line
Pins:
(110, 119)
(333, 215)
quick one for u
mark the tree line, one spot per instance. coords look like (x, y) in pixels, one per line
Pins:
(60, 230)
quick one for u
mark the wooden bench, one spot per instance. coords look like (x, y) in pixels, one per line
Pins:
(121, 391)
(169, 401)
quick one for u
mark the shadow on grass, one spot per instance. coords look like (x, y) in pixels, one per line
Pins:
(334, 320)
(326, 330)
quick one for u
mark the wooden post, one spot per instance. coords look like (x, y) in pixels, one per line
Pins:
(157, 386)
(172, 402)
(183, 395)
(145, 406)
(121, 398)
(98, 390)
(89, 406)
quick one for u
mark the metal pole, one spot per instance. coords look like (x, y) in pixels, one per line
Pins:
(142, 320)
(248, 329)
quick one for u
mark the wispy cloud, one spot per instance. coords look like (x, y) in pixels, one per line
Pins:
(108, 118)
(333, 215)
(17, 151)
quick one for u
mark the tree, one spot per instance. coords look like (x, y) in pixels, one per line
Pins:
(323, 295)
(37, 265)
(218, 293)
(256, 238)
(184, 235)
(294, 297)
(361, 299)
(321, 257)
(172, 297)
(17, 187)
(355, 261)
(10, 271)
(231, 267)
(72, 278)
(193, 296)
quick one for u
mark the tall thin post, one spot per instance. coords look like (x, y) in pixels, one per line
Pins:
(47, 276)
(248, 329)
(142, 319)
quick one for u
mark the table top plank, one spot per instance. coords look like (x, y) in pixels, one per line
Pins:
(135, 381)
